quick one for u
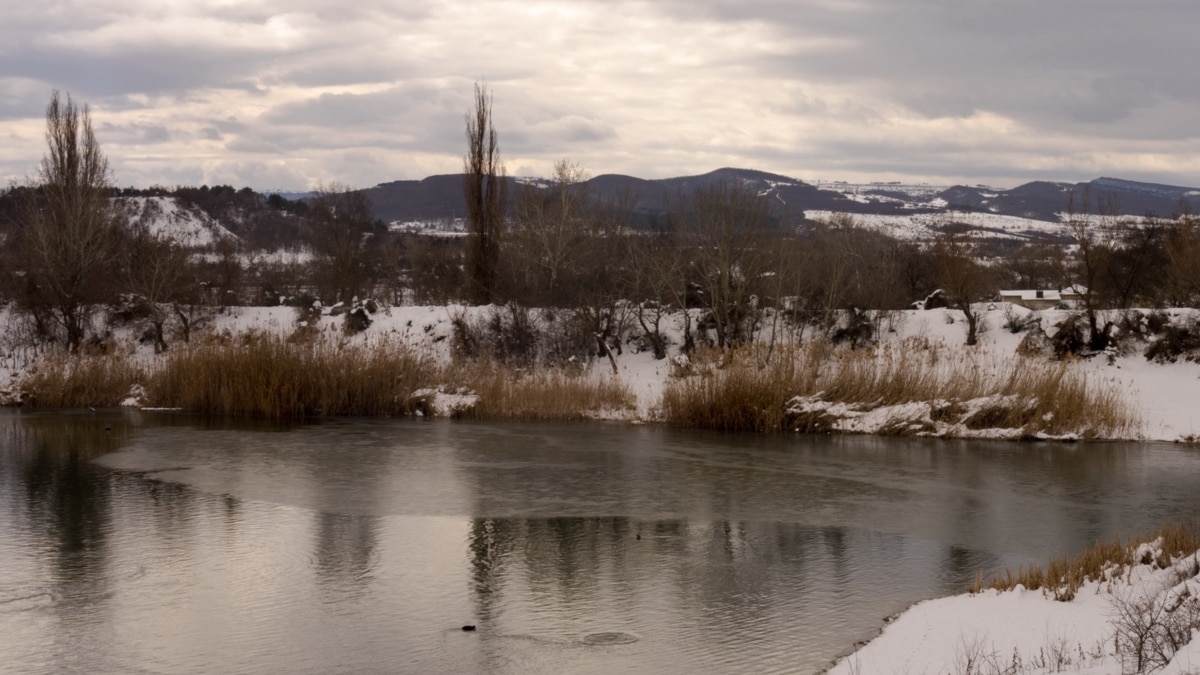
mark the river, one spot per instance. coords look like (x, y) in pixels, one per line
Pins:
(137, 542)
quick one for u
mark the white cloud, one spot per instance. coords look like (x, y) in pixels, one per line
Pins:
(310, 91)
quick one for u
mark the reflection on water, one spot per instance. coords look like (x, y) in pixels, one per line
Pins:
(134, 543)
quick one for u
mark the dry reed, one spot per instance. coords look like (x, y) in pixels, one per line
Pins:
(1065, 575)
(63, 380)
(750, 388)
(505, 392)
(265, 375)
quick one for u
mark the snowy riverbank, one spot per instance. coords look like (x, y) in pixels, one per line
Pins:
(1161, 396)
(1143, 618)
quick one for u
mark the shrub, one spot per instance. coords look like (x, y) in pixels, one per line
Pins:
(1016, 322)
(512, 336)
(358, 319)
(308, 320)
(1070, 338)
(858, 332)
(1175, 341)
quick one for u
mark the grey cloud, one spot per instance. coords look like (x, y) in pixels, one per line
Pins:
(1045, 63)
(112, 75)
(416, 116)
(255, 145)
(130, 134)
(565, 131)
(22, 102)
(674, 86)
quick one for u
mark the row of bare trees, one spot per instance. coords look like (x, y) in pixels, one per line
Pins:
(718, 249)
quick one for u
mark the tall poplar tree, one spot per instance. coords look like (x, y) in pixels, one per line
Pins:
(484, 188)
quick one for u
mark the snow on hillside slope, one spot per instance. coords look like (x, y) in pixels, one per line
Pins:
(164, 218)
(925, 226)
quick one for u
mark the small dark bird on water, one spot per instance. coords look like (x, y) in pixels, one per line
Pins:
(468, 628)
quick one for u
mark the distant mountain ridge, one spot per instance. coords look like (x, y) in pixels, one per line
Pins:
(440, 197)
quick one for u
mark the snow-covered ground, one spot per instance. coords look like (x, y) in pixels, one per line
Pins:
(1143, 612)
(1164, 396)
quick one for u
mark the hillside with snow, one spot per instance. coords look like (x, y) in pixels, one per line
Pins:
(1027, 212)
(166, 219)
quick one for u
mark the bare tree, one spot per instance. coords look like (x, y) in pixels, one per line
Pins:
(160, 279)
(1183, 252)
(658, 286)
(964, 280)
(71, 234)
(1092, 239)
(728, 227)
(549, 231)
(1035, 265)
(1137, 264)
(338, 225)
(484, 189)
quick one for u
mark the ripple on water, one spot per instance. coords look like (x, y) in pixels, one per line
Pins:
(22, 602)
(609, 639)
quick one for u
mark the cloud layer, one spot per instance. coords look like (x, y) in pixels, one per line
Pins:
(291, 94)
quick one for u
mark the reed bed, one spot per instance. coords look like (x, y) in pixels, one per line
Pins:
(750, 389)
(64, 380)
(266, 375)
(1065, 575)
(547, 394)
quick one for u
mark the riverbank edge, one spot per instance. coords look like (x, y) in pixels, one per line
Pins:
(1142, 579)
(1157, 389)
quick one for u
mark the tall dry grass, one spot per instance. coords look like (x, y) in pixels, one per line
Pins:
(750, 388)
(64, 380)
(744, 395)
(1065, 575)
(266, 375)
(544, 394)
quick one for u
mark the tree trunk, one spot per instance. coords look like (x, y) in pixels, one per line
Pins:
(972, 324)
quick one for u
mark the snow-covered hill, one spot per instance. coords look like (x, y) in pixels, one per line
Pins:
(167, 219)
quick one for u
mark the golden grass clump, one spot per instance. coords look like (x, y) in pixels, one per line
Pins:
(1064, 576)
(749, 395)
(266, 375)
(64, 380)
(547, 394)
(750, 388)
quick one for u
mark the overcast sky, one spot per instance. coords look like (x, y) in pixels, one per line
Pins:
(291, 93)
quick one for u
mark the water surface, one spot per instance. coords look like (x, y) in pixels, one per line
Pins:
(132, 542)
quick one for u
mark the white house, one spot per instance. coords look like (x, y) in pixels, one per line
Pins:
(1033, 299)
